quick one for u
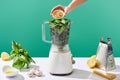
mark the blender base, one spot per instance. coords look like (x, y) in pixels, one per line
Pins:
(60, 62)
(61, 74)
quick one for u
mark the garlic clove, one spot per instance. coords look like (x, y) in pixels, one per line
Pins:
(30, 74)
(38, 73)
(32, 71)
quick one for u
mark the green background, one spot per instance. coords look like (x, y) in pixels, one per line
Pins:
(21, 20)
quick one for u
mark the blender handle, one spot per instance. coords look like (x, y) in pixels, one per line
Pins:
(44, 32)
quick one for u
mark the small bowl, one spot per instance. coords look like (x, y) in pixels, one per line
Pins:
(56, 9)
(9, 71)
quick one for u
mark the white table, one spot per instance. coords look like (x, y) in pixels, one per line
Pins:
(80, 71)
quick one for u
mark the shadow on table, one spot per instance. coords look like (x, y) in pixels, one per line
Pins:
(96, 77)
(117, 69)
(18, 77)
(118, 77)
(80, 74)
(30, 67)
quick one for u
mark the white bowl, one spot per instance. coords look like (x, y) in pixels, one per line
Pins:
(9, 71)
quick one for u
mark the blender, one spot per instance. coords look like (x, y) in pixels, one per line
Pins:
(60, 57)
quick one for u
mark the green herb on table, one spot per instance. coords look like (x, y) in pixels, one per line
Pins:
(20, 56)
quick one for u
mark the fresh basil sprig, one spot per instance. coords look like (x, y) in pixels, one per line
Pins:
(20, 56)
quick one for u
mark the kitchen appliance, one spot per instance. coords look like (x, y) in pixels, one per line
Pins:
(60, 57)
(105, 55)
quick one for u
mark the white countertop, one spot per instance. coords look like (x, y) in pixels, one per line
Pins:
(80, 71)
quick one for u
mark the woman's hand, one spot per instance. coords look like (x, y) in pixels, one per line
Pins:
(70, 7)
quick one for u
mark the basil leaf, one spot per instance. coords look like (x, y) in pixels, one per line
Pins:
(20, 56)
